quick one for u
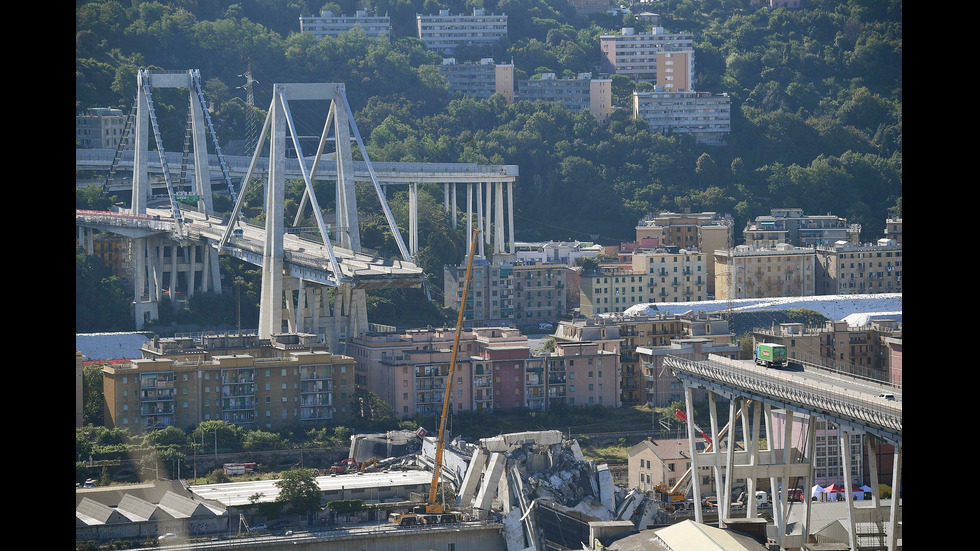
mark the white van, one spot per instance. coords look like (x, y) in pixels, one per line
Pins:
(887, 396)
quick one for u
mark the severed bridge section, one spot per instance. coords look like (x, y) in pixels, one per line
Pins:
(314, 283)
(851, 404)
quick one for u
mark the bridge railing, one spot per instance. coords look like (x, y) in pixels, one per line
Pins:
(791, 389)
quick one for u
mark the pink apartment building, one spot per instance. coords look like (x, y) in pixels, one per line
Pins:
(495, 369)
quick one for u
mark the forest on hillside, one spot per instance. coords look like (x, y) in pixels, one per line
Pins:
(816, 105)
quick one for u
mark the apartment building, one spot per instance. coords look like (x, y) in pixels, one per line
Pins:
(663, 462)
(101, 128)
(518, 294)
(582, 93)
(495, 370)
(637, 55)
(664, 274)
(675, 70)
(867, 350)
(401, 366)
(239, 379)
(704, 231)
(780, 271)
(661, 386)
(846, 268)
(701, 230)
(329, 25)
(579, 374)
(827, 458)
(673, 274)
(622, 335)
(704, 115)
(555, 252)
(445, 32)
(479, 80)
(791, 225)
(893, 229)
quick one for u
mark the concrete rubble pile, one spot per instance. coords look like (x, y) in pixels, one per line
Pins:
(520, 478)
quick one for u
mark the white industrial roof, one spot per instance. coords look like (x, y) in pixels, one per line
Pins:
(232, 494)
(835, 307)
(110, 346)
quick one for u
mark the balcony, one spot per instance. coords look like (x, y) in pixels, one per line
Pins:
(316, 414)
(238, 404)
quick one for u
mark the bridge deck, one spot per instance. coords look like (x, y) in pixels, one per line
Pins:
(303, 258)
(849, 403)
(393, 173)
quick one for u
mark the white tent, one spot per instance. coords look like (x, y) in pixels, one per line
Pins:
(818, 493)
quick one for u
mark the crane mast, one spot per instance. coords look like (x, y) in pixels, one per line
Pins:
(440, 443)
(432, 512)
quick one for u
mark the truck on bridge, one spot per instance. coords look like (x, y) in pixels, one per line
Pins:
(770, 355)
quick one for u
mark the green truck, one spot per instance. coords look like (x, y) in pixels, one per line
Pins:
(770, 355)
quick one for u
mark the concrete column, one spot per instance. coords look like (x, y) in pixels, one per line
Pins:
(845, 453)
(498, 229)
(141, 144)
(773, 479)
(413, 218)
(811, 448)
(346, 197)
(479, 217)
(695, 483)
(607, 491)
(784, 501)
(270, 309)
(191, 270)
(454, 207)
(896, 492)
(716, 446)
(467, 489)
(484, 498)
(202, 172)
(724, 500)
(469, 216)
(510, 216)
(174, 250)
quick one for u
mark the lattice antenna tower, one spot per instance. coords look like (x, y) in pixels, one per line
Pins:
(251, 121)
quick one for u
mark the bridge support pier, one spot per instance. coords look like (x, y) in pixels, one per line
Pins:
(333, 313)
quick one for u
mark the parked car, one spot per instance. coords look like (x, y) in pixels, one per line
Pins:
(167, 536)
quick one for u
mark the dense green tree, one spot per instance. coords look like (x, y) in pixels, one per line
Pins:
(298, 489)
(816, 107)
(100, 302)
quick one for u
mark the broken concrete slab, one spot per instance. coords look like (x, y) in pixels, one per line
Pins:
(491, 478)
(511, 441)
(607, 491)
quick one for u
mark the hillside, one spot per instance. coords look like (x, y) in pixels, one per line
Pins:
(816, 94)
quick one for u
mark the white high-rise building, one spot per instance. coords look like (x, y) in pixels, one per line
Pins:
(328, 24)
(445, 32)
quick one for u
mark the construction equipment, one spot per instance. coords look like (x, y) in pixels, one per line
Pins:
(373, 461)
(431, 512)
(348, 465)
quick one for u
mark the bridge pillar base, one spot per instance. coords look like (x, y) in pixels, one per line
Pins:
(144, 312)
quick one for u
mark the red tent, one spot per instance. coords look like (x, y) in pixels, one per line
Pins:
(835, 492)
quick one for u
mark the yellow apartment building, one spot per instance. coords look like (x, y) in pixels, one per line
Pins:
(242, 380)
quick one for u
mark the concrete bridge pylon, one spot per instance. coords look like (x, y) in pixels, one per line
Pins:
(288, 304)
(150, 252)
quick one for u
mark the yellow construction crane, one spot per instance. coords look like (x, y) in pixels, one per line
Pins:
(431, 512)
